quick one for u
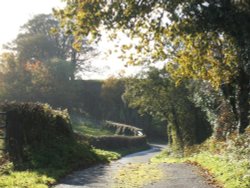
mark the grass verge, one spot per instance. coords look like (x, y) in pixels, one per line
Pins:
(227, 162)
(229, 173)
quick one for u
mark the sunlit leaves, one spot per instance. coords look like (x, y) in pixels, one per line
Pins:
(210, 57)
(200, 40)
(149, 95)
(81, 18)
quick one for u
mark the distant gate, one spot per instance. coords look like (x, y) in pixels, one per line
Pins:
(3, 132)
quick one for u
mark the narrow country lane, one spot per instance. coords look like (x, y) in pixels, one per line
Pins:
(103, 176)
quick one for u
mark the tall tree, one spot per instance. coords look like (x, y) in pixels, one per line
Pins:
(46, 81)
(186, 26)
(154, 93)
(14, 78)
(41, 39)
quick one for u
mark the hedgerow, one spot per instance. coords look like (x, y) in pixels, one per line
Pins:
(48, 147)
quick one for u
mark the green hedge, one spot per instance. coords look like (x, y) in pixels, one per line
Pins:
(41, 137)
(37, 123)
(118, 142)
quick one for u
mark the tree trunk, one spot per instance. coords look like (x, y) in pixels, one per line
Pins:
(243, 101)
(73, 63)
(229, 93)
(176, 128)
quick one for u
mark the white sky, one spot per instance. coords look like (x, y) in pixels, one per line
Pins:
(15, 13)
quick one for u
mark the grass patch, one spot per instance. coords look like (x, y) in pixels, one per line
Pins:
(137, 175)
(108, 155)
(23, 179)
(89, 127)
(9, 177)
(91, 131)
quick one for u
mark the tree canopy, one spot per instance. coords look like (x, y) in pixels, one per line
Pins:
(201, 39)
(42, 38)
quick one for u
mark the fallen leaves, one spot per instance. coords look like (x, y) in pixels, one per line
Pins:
(136, 175)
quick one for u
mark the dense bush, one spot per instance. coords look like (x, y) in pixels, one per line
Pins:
(38, 123)
(40, 137)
